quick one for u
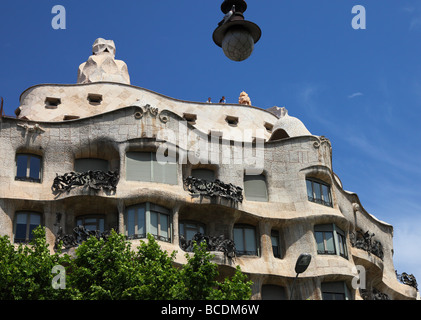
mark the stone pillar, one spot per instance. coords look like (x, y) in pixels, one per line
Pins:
(175, 230)
(265, 241)
(256, 288)
(121, 208)
(6, 219)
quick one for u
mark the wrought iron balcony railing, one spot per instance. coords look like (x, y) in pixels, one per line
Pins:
(96, 180)
(221, 244)
(366, 242)
(215, 188)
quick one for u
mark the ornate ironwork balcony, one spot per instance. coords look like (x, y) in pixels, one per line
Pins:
(408, 279)
(365, 242)
(79, 235)
(373, 294)
(96, 180)
(215, 188)
(221, 244)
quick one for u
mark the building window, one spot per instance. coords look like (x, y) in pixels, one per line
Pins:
(148, 218)
(255, 188)
(143, 166)
(91, 164)
(68, 117)
(319, 192)
(190, 118)
(268, 127)
(273, 292)
(330, 240)
(25, 223)
(335, 291)
(276, 246)
(52, 102)
(188, 229)
(94, 98)
(232, 121)
(204, 174)
(245, 240)
(91, 222)
(343, 252)
(28, 167)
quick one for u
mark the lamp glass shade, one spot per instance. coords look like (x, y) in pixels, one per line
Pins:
(238, 43)
(303, 262)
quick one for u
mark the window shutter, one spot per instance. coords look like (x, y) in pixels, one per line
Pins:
(204, 174)
(35, 168)
(239, 239)
(153, 227)
(164, 225)
(250, 236)
(164, 172)
(34, 221)
(141, 228)
(21, 163)
(130, 222)
(20, 231)
(255, 188)
(273, 292)
(138, 166)
(85, 165)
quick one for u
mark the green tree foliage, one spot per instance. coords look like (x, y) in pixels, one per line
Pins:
(25, 270)
(110, 269)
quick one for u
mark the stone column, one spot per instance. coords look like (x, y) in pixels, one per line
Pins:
(175, 230)
(265, 241)
(256, 288)
(121, 208)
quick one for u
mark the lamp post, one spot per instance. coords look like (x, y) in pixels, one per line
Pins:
(235, 35)
(301, 265)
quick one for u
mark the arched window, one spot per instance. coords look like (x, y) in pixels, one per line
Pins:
(245, 240)
(188, 229)
(276, 243)
(330, 240)
(91, 164)
(25, 223)
(204, 174)
(91, 222)
(319, 192)
(337, 290)
(148, 218)
(273, 292)
(255, 188)
(144, 166)
(279, 134)
(28, 167)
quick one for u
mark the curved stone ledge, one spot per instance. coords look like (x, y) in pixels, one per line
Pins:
(373, 265)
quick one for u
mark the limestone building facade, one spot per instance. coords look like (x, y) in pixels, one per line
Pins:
(104, 154)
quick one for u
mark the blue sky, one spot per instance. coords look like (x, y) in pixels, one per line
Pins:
(359, 88)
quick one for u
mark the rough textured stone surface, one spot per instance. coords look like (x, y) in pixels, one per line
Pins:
(101, 65)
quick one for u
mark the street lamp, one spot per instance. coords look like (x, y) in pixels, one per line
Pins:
(235, 35)
(301, 265)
